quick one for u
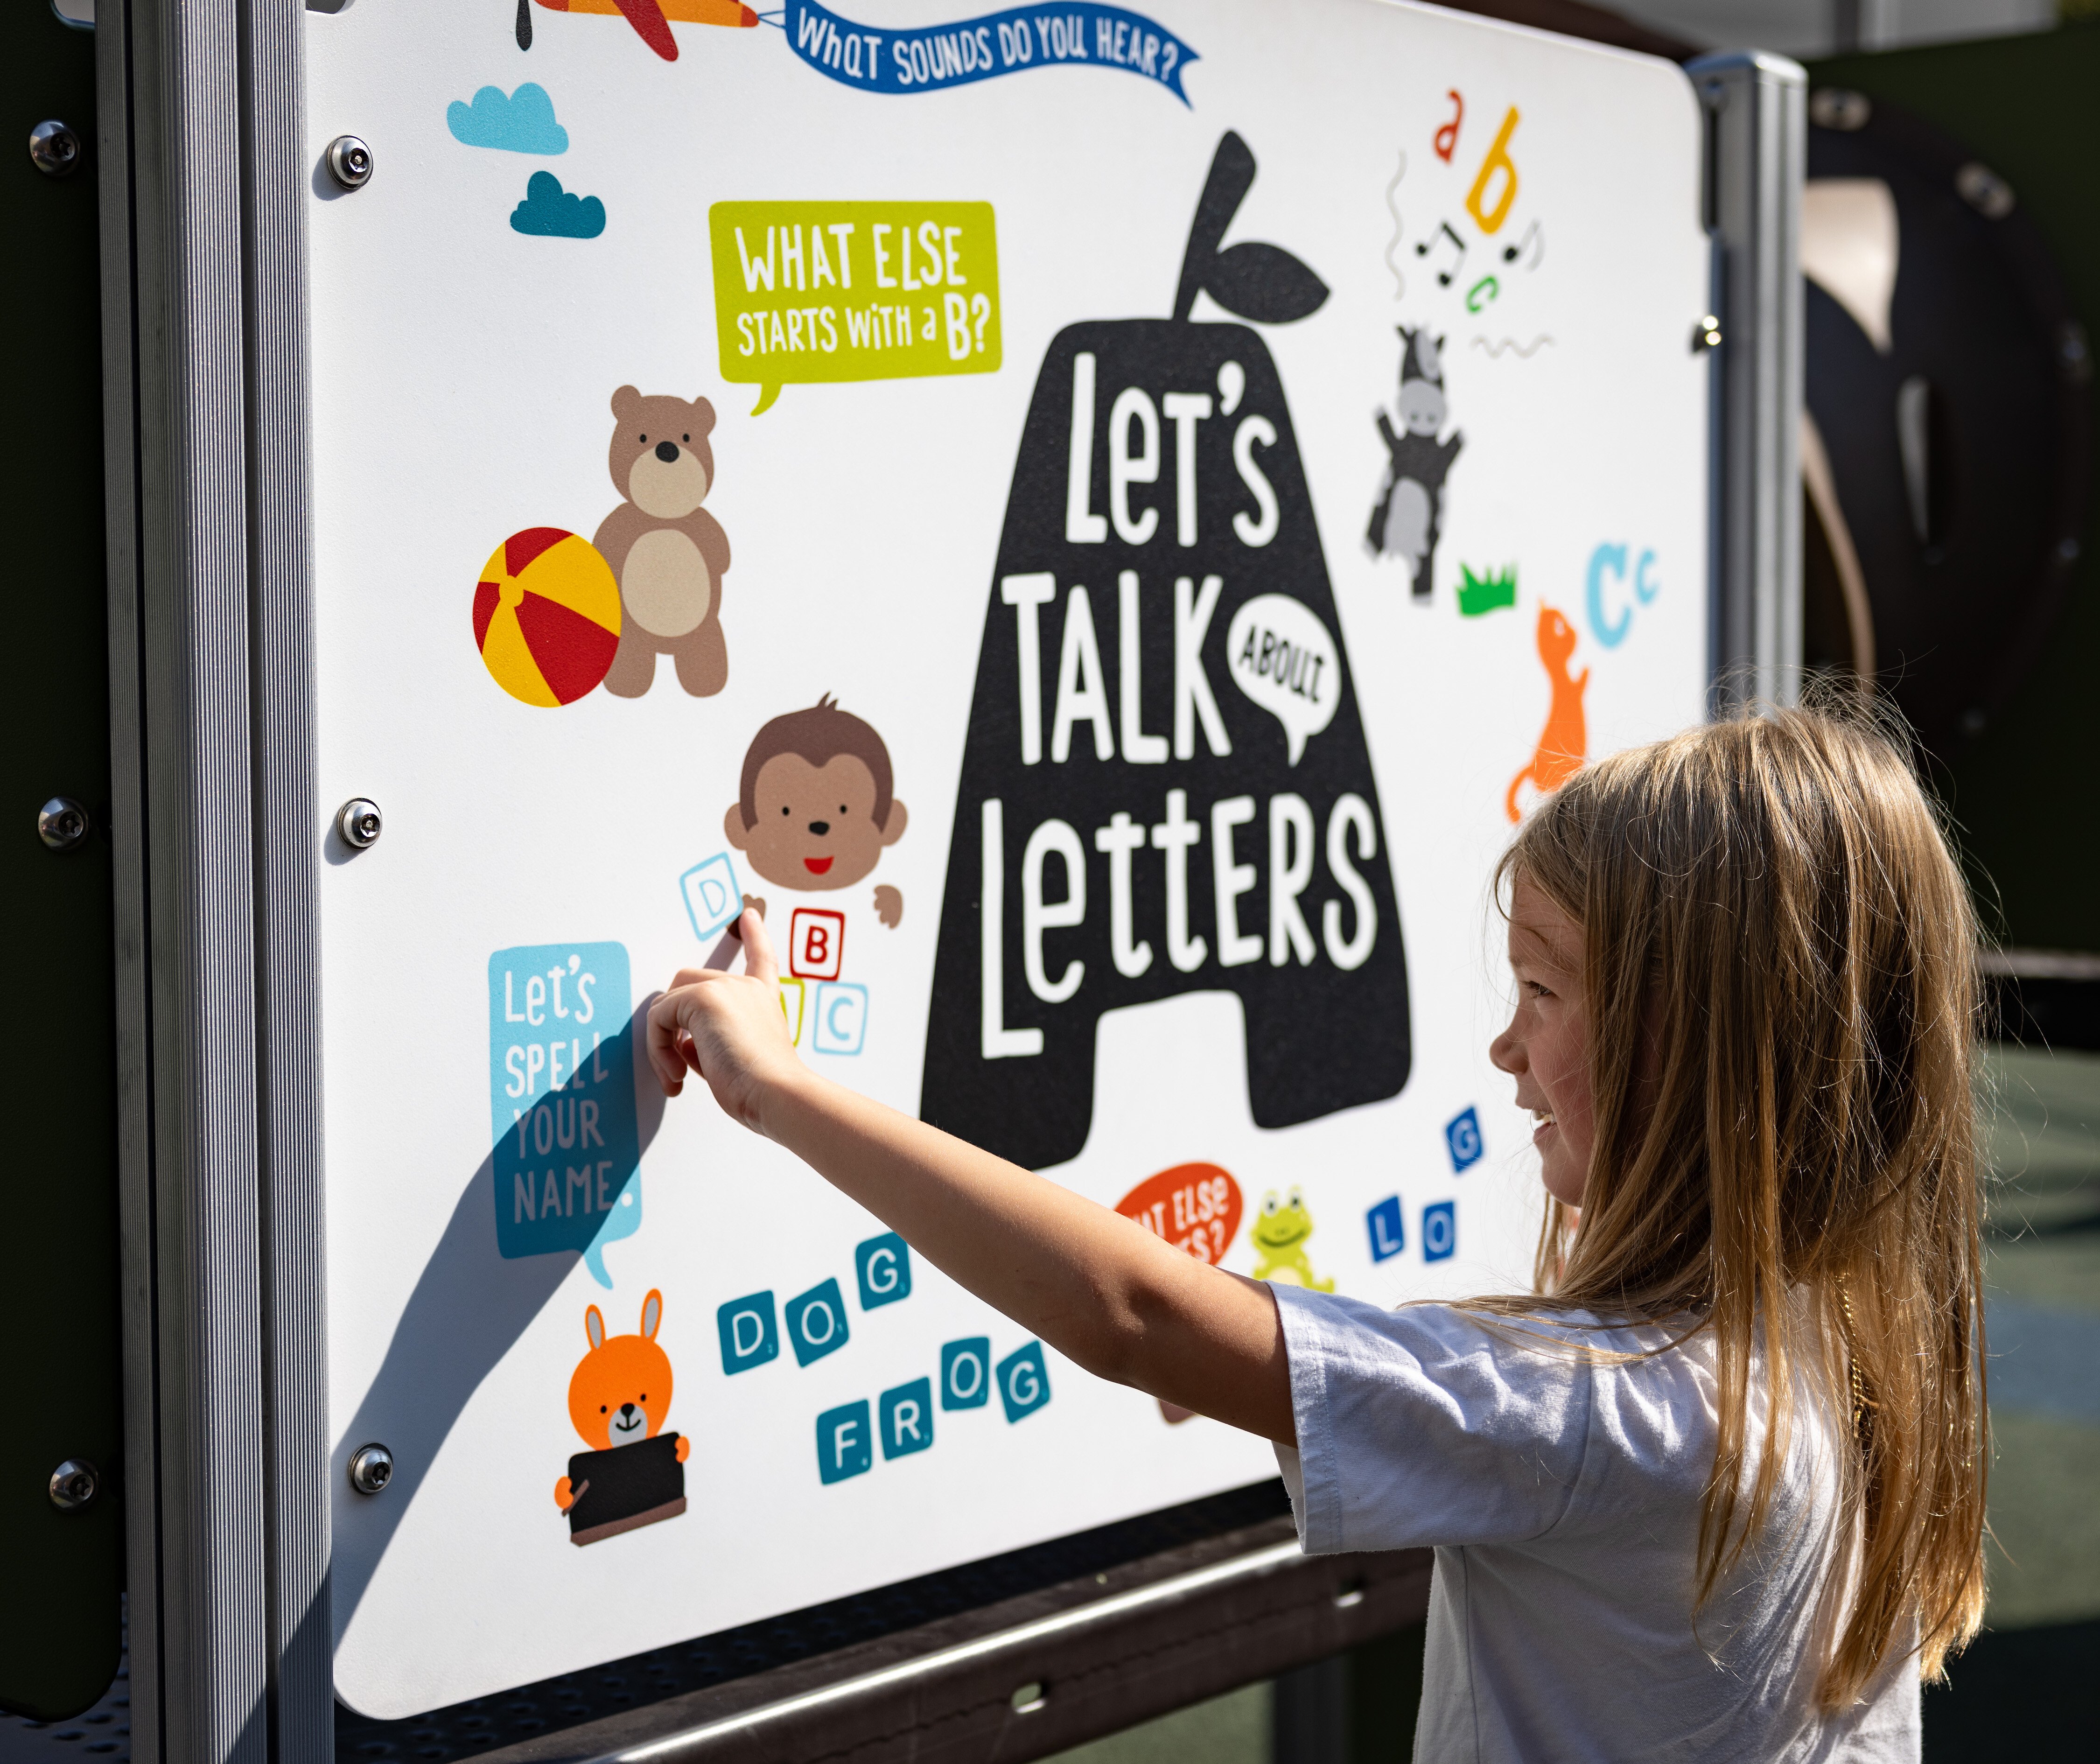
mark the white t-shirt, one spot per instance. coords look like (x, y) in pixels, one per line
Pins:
(1562, 1497)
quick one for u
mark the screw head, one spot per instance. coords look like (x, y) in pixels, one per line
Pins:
(371, 1468)
(1984, 191)
(74, 1483)
(359, 822)
(62, 824)
(54, 150)
(1706, 334)
(1832, 107)
(350, 161)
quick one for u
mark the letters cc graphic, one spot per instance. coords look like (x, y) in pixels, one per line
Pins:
(1609, 558)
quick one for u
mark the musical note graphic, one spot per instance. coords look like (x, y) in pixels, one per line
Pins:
(1434, 242)
(1447, 137)
(1533, 240)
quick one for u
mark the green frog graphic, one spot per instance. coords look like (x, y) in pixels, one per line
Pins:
(1280, 1234)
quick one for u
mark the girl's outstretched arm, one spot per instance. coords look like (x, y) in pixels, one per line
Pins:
(1101, 1289)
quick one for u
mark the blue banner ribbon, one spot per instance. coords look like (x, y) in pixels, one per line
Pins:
(931, 58)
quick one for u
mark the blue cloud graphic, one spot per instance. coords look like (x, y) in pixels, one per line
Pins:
(522, 123)
(550, 212)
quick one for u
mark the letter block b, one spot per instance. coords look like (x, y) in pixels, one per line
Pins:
(816, 943)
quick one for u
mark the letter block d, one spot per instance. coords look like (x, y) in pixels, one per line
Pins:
(750, 1335)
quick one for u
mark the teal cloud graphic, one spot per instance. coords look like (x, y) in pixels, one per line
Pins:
(550, 212)
(522, 123)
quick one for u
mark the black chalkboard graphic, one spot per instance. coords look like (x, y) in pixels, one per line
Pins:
(1165, 787)
(1409, 513)
(625, 1488)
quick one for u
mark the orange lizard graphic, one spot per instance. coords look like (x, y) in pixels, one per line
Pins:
(1566, 737)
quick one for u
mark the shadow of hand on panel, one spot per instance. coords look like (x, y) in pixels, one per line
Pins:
(468, 1305)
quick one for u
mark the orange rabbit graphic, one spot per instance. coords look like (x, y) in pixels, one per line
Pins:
(1566, 737)
(634, 1474)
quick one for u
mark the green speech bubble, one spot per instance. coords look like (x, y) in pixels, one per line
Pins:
(818, 291)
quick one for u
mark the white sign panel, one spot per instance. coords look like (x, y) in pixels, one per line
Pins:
(1101, 520)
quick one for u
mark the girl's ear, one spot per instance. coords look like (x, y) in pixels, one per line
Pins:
(652, 1314)
(594, 1327)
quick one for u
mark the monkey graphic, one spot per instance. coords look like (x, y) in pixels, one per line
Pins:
(816, 809)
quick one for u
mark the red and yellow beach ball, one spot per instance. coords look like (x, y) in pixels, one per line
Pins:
(546, 616)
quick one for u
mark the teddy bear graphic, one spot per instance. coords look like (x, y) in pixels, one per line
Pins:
(633, 1474)
(666, 552)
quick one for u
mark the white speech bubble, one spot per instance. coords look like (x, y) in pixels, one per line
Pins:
(1284, 659)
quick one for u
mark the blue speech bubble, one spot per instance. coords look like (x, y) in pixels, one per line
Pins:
(561, 1091)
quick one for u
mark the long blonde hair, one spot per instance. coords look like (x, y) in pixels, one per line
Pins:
(1769, 902)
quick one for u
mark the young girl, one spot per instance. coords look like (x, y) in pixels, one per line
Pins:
(1715, 1490)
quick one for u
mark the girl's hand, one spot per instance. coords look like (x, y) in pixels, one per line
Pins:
(729, 1027)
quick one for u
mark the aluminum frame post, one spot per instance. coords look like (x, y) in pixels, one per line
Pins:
(1757, 110)
(202, 169)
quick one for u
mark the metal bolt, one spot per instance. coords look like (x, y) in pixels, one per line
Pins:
(371, 1468)
(1706, 334)
(1832, 107)
(62, 824)
(1984, 191)
(359, 822)
(350, 162)
(73, 1485)
(54, 148)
